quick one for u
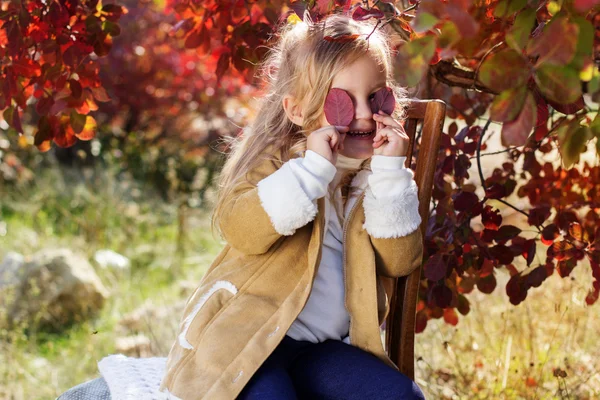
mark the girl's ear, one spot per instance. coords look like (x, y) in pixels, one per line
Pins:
(293, 109)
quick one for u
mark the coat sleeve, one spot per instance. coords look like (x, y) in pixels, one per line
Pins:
(274, 201)
(392, 217)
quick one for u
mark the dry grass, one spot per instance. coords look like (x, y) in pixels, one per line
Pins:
(544, 348)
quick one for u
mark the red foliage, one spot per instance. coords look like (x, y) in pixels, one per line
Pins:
(49, 49)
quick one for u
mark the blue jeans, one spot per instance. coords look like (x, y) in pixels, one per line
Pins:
(328, 370)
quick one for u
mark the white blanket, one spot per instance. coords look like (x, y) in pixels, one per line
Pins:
(131, 378)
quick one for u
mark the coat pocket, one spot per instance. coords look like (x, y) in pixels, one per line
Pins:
(204, 310)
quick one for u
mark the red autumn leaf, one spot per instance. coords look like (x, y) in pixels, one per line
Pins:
(531, 382)
(502, 253)
(361, 14)
(496, 191)
(100, 94)
(570, 108)
(506, 232)
(565, 267)
(342, 38)
(516, 132)
(16, 120)
(516, 289)
(541, 123)
(549, 234)
(529, 251)
(435, 267)
(76, 90)
(64, 138)
(88, 131)
(536, 276)
(440, 296)
(43, 105)
(487, 268)
(421, 321)
(383, 100)
(194, 39)
(592, 296)
(491, 218)
(450, 316)
(538, 215)
(465, 201)
(584, 5)
(463, 305)
(556, 44)
(339, 109)
(487, 284)
(222, 65)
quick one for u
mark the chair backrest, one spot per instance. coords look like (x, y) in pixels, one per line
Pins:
(400, 322)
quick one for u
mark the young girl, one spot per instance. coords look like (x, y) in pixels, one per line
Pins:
(315, 218)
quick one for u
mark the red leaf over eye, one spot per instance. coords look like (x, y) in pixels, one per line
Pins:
(383, 100)
(339, 109)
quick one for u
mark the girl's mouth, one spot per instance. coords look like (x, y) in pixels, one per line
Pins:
(361, 134)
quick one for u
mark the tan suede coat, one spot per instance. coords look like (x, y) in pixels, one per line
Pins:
(260, 282)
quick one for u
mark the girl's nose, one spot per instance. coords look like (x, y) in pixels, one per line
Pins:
(363, 109)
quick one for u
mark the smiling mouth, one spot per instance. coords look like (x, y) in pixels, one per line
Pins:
(361, 133)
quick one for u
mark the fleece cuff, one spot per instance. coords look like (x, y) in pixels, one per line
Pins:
(285, 201)
(391, 215)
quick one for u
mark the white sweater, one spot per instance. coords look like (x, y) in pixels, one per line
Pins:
(324, 315)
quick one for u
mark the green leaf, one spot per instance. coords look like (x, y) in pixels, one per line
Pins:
(595, 125)
(572, 142)
(507, 7)
(518, 35)
(515, 133)
(504, 70)
(77, 121)
(111, 28)
(424, 22)
(585, 42)
(508, 104)
(560, 84)
(556, 44)
(413, 60)
(449, 34)
(594, 84)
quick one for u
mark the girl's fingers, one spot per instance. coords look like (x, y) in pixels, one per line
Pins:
(386, 119)
(334, 140)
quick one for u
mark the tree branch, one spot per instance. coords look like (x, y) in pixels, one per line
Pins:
(455, 75)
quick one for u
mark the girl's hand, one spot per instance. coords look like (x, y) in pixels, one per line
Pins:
(390, 138)
(327, 140)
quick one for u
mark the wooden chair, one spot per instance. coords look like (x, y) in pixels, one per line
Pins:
(403, 292)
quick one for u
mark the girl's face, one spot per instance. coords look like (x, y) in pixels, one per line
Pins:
(361, 80)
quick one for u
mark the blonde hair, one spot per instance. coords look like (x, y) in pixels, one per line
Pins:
(302, 63)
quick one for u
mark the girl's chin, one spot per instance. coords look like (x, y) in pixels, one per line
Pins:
(357, 151)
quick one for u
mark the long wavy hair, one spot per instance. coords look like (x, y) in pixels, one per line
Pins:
(302, 63)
